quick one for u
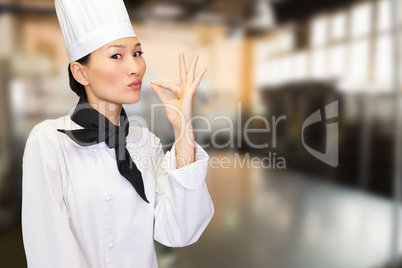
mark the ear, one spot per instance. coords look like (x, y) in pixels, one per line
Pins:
(78, 71)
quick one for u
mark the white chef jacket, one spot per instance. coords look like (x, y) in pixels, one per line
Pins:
(79, 211)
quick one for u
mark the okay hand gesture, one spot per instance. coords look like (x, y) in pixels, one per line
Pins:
(179, 110)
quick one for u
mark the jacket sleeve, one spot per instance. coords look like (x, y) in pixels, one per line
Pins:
(183, 204)
(48, 240)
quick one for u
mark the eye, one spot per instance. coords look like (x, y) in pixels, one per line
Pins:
(116, 56)
(138, 53)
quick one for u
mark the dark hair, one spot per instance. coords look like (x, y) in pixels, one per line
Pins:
(78, 88)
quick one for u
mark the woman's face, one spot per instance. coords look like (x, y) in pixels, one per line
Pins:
(115, 72)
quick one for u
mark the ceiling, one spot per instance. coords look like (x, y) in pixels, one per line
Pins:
(291, 10)
(219, 11)
(285, 10)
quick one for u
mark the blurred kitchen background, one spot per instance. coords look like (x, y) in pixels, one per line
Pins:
(266, 60)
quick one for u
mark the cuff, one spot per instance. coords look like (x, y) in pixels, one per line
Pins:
(191, 176)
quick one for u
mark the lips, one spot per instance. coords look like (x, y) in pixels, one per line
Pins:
(136, 84)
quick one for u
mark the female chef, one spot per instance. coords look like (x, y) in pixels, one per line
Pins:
(97, 192)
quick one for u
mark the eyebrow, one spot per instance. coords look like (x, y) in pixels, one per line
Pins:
(123, 46)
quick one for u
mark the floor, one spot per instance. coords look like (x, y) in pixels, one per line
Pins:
(11, 248)
(268, 218)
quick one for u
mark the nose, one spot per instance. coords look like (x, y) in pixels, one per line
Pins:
(134, 67)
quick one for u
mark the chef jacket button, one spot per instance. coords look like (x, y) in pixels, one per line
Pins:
(108, 198)
(157, 190)
(95, 150)
(110, 245)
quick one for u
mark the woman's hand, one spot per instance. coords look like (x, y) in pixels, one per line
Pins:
(179, 111)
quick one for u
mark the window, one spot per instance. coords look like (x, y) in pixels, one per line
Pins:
(337, 56)
(338, 26)
(344, 46)
(383, 64)
(358, 64)
(319, 31)
(300, 65)
(384, 15)
(273, 72)
(286, 68)
(361, 19)
(319, 64)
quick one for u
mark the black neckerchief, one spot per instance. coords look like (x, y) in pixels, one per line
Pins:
(97, 129)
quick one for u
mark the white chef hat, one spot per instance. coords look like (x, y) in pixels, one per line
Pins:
(89, 24)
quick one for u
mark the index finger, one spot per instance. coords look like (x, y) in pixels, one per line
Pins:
(183, 69)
